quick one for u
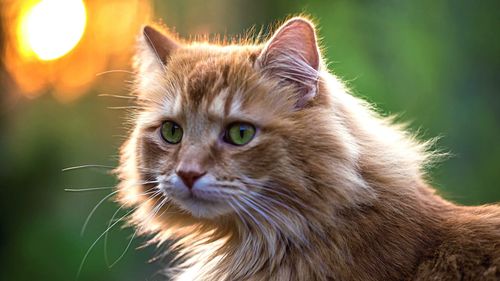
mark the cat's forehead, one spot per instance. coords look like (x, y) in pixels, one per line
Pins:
(218, 83)
(214, 81)
(206, 80)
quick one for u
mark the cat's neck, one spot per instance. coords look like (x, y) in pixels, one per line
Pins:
(392, 233)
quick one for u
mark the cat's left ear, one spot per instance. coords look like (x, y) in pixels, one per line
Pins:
(154, 50)
(292, 54)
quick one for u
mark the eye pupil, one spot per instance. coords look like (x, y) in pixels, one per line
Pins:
(239, 133)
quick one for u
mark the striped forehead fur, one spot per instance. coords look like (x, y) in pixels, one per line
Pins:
(216, 84)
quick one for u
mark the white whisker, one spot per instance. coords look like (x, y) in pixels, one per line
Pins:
(117, 96)
(238, 213)
(244, 209)
(97, 240)
(99, 204)
(124, 251)
(114, 71)
(88, 189)
(94, 209)
(125, 107)
(278, 202)
(265, 215)
(87, 166)
(106, 257)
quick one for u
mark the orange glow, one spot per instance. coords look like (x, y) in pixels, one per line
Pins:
(60, 46)
(52, 28)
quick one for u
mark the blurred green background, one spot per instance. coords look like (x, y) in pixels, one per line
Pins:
(437, 63)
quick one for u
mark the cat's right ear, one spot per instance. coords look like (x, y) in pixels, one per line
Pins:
(292, 54)
(154, 50)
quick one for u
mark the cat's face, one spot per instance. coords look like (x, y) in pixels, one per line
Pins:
(227, 132)
(215, 134)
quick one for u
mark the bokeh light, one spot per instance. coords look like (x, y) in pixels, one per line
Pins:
(60, 46)
(53, 27)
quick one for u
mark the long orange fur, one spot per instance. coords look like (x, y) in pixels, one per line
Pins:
(338, 192)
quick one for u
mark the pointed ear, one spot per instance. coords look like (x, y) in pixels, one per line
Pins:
(161, 44)
(154, 51)
(292, 54)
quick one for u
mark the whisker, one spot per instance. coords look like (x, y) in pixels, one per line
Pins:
(105, 187)
(106, 258)
(275, 201)
(260, 211)
(270, 209)
(97, 206)
(142, 183)
(268, 237)
(283, 219)
(291, 223)
(238, 213)
(155, 193)
(97, 240)
(124, 107)
(94, 209)
(157, 208)
(98, 166)
(124, 251)
(256, 222)
(270, 189)
(117, 96)
(161, 214)
(88, 189)
(86, 167)
(114, 71)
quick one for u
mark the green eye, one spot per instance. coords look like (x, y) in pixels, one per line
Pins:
(171, 132)
(239, 133)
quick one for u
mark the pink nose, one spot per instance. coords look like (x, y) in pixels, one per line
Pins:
(190, 175)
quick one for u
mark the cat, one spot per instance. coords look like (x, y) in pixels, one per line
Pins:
(260, 165)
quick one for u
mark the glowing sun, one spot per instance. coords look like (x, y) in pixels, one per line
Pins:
(52, 28)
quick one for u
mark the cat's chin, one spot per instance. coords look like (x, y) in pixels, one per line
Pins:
(200, 208)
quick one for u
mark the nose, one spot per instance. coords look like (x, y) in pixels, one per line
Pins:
(190, 174)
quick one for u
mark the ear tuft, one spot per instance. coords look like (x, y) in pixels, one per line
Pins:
(292, 54)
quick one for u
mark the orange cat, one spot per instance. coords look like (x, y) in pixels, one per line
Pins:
(261, 166)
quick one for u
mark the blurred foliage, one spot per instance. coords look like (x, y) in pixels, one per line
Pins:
(435, 62)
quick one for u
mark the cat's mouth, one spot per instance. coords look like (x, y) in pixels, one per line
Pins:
(203, 199)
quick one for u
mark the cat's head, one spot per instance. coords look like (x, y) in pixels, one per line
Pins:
(234, 135)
